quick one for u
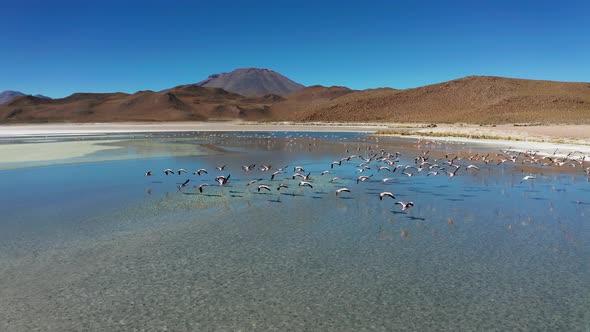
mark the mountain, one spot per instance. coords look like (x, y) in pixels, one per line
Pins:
(252, 82)
(182, 103)
(8, 95)
(473, 99)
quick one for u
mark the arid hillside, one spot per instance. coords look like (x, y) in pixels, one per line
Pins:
(299, 102)
(178, 104)
(474, 99)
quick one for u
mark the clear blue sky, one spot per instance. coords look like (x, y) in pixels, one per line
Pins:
(58, 47)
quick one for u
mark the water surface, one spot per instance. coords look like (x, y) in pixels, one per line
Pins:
(90, 243)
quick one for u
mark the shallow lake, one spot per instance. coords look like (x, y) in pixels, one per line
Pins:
(88, 242)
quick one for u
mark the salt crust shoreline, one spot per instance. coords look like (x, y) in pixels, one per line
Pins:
(545, 139)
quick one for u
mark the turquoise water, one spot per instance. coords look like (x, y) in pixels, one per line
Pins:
(96, 245)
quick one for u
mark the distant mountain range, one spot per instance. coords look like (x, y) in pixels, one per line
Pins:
(266, 95)
(252, 82)
(8, 95)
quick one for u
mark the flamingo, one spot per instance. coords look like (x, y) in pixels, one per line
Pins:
(182, 186)
(305, 183)
(363, 178)
(253, 181)
(203, 185)
(275, 173)
(386, 193)
(405, 206)
(222, 180)
(200, 170)
(338, 191)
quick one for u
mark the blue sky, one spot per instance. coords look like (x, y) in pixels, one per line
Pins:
(60, 47)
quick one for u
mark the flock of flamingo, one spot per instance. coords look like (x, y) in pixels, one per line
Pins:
(380, 161)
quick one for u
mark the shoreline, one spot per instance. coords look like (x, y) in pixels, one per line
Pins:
(543, 138)
(566, 131)
(67, 129)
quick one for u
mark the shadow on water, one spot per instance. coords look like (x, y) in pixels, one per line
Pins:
(469, 189)
(454, 199)
(293, 194)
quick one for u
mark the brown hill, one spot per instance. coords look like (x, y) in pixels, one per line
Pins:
(177, 104)
(300, 101)
(474, 99)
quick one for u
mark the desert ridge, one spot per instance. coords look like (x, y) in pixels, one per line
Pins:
(473, 99)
